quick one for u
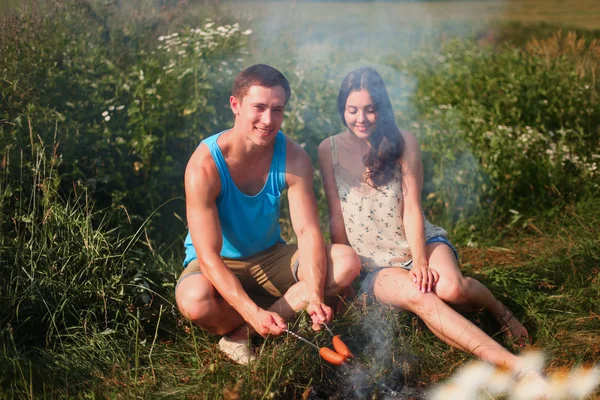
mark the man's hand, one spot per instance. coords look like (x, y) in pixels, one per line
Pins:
(424, 277)
(319, 313)
(268, 323)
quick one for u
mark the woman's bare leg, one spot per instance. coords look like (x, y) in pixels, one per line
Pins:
(394, 287)
(456, 289)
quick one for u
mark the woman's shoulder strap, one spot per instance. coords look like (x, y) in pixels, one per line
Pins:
(333, 149)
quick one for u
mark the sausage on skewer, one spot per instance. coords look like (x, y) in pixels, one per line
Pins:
(340, 347)
(331, 356)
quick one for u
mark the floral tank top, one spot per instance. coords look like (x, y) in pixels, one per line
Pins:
(373, 218)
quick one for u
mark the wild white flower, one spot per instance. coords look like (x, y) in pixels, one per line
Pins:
(449, 391)
(209, 25)
(107, 118)
(111, 108)
(161, 38)
(247, 32)
(498, 384)
(175, 34)
(559, 386)
(473, 376)
(105, 113)
(478, 380)
(530, 388)
(583, 382)
(119, 108)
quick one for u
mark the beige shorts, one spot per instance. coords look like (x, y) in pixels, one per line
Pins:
(265, 276)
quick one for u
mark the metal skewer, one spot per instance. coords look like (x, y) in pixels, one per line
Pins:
(301, 338)
(329, 330)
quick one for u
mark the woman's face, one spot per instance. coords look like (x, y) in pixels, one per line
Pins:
(360, 114)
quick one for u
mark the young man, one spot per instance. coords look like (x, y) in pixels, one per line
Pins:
(240, 276)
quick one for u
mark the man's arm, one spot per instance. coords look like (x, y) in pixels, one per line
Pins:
(202, 186)
(305, 221)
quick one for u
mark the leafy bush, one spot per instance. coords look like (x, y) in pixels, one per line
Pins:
(127, 123)
(531, 123)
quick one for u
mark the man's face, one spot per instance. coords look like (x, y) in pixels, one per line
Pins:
(260, 113)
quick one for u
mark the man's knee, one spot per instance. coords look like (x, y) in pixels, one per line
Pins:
(346, 264)
(196, 300)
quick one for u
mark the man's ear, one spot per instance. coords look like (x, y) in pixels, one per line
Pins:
(235, 105)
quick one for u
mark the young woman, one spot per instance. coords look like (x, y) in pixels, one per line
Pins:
(373, 178)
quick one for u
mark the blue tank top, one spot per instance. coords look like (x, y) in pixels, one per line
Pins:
(249, 224)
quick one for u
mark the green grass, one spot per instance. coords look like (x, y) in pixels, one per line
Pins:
(129, 340)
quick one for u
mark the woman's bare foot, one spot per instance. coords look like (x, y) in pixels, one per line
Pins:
(513, 330)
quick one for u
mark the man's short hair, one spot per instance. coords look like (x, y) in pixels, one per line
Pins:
(259, 75)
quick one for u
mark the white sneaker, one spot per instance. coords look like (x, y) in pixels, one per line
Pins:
(239, 351)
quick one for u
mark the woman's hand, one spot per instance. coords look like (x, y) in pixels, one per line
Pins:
(424, 277)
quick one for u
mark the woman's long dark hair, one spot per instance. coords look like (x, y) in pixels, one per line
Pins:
(386, 141)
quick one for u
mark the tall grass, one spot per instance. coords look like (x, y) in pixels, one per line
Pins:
(64, 277)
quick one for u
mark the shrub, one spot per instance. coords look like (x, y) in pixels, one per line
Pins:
(531, 123)
(128, 122)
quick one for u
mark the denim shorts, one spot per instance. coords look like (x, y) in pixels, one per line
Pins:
(368, 277)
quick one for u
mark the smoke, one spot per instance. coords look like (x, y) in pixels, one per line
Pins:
(331, 33)
(383, 365)
(323, 41)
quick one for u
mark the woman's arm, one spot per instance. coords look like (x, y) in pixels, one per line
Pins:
(336, 219)
(412, 215)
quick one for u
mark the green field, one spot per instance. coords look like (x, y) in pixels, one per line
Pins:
(102, 103)
(574, 13)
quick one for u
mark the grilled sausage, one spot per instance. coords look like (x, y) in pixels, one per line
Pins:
(331, 356)
(340, 347)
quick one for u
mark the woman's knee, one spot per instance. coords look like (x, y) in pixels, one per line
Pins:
(454, 291)
(408, 297)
